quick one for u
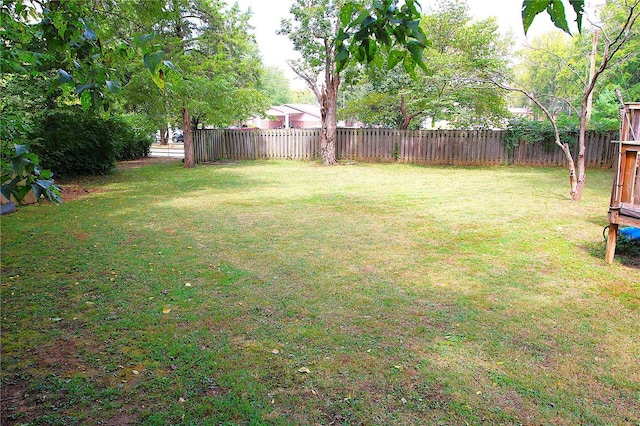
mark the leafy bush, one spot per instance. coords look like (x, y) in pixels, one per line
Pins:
(134, 139)
(627, 246)
(522, 130)
(21, 172)
(71, 142)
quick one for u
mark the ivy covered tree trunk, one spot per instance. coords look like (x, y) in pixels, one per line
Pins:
(188, 139)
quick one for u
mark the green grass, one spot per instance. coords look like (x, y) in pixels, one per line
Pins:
(413, 295)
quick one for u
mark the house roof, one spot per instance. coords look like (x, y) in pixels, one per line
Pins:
(293, 109)
(306, 108)
(282, 110)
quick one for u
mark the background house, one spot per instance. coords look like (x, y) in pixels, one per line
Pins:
(298, 116)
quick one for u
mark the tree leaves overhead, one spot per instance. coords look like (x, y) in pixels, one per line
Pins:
(556, 11)
(382, 26)
(460, 52)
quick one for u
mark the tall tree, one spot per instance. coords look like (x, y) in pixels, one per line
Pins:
(460, 49)
(614, 35)
(213, 67)
(331, 33)
(275, 85)
(313, 31)
(548, 67)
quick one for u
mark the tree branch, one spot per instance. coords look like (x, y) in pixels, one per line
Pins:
(613, 46)
(310, 82)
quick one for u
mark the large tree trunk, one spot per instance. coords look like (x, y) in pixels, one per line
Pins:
(329, 107)
(328, 110)
(327, 96)
(188, 139)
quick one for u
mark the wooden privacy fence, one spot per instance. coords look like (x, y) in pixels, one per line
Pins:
(447, 147)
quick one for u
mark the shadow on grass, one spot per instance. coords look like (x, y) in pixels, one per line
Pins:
(144, 184)
(627, 252)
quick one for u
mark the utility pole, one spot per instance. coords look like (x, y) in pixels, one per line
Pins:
(592, 71)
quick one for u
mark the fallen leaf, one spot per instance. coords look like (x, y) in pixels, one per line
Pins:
(275, 352)
(304, 370)
(182, 400)
(166, 311)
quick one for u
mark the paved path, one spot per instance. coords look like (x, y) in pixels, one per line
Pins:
(172, 150)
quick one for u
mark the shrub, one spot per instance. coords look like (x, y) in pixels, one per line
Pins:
(522, 130)
(627, 246)
(133, 138)
(72, 143)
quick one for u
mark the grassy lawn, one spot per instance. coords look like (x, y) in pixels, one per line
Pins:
(290, 293)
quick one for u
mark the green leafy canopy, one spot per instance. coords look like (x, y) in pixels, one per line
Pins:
(382, 26)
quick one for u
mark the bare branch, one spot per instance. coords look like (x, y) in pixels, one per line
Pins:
(613, 46)
(310, 82)
(535, 100)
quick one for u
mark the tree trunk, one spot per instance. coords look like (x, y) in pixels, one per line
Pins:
(329, 107)
(164, 136)
(327, 96)
(406, 117)
(573, 177)
(582, 173)
(188, 139)
(328, 133)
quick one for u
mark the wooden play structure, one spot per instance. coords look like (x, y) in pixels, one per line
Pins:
(624, 208)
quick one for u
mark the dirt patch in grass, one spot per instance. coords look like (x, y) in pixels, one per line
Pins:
(14, 402)
(72, 192)
(59, 354)
(124, 419)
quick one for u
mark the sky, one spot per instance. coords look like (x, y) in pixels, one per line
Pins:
(277, 49)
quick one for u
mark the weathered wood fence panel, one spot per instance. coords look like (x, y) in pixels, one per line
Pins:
(444, 147)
